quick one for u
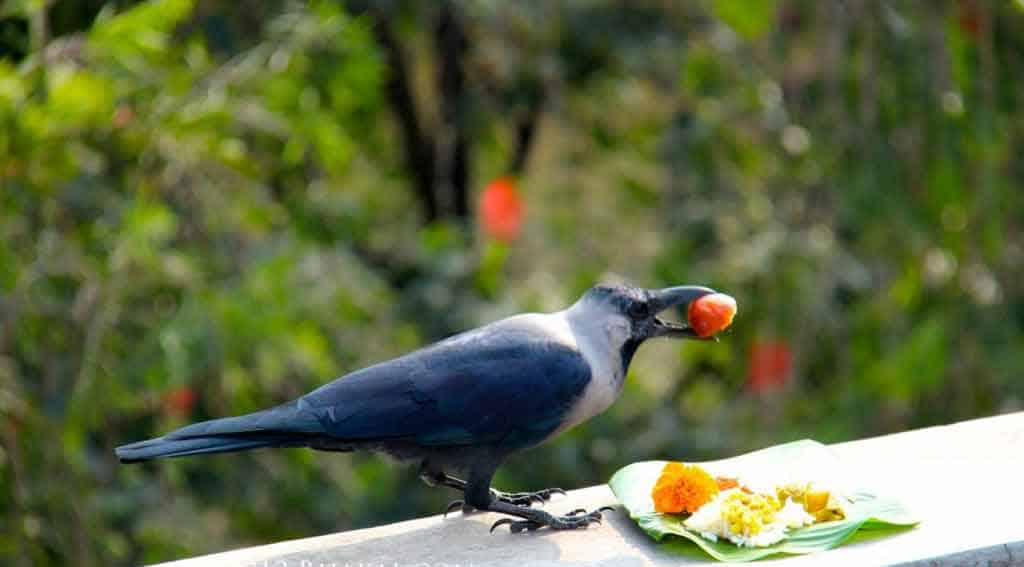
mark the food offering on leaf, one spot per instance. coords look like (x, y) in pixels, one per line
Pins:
(794, 498)
(725, 508)
(711, 314)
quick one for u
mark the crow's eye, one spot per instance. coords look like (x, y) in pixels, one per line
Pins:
(639, 310)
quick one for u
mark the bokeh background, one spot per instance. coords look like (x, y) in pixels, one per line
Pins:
(207, 208)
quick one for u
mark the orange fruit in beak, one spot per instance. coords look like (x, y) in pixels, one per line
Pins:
(711, 314)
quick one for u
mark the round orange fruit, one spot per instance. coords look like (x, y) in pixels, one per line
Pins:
(711, 314)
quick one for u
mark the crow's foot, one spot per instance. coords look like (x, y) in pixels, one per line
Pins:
(526, 498)
(576, 519)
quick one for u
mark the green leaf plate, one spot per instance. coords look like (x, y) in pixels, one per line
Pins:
(798, 460)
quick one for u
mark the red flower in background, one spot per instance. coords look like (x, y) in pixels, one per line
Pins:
(501, 210)
(179, 401)
(970, 18)
(769, 365)
(123, 116)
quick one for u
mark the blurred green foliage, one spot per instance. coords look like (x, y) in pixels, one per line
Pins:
(204, 210)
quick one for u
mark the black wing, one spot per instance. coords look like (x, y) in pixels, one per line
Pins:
(493, 385)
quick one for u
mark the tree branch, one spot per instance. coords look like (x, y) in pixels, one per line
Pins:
(526, 128)
(452, 46)
(419, 147)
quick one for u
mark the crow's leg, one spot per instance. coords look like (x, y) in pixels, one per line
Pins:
(438, 478)
(479, 495)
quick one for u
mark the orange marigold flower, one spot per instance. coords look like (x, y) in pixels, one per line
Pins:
(683, 488)
(725, 483)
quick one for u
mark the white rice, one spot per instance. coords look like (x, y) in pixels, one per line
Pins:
(709, 523)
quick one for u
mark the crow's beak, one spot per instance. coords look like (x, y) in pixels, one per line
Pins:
(662, 299)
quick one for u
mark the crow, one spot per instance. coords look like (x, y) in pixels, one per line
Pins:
(464, 404)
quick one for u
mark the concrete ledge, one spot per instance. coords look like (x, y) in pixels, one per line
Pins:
(972, 470)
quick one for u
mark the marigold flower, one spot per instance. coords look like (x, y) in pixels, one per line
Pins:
(725, 483)
(683, 488)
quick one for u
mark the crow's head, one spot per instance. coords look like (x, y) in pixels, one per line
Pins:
(624, 316)
(636, 309)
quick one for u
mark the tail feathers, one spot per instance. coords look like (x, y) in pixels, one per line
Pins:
(283, 426)
(287, 417)
(162, 447)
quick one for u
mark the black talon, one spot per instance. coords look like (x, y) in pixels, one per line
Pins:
(501, 522)
(452, 506)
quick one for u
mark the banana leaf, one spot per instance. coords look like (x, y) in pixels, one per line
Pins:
(808, 460)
